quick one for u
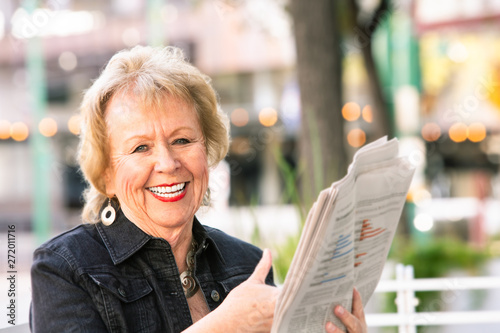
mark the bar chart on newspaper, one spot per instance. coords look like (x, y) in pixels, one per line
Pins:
(345, 240)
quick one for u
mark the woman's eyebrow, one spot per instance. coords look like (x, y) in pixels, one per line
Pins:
(179, 129)
(145, 136)
(135, 137)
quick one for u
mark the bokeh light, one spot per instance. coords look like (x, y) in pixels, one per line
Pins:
(356, 137)
(431, 132)
(477, 132)
(239, 117)
(4, 129)
(47, 127)
(19, 131)
(68, 61)
(458, 132)
(421, 197)
(351, 111)
(268, 117)
(423, 222)
(74, 124)
(367, 113)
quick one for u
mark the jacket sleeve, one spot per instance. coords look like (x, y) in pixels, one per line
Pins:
(59, 302)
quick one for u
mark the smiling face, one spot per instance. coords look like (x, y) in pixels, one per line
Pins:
(158, 164)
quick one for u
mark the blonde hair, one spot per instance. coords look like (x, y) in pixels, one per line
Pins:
(149, 74)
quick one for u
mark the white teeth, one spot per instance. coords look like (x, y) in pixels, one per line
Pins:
(168, 191)
(168, 195)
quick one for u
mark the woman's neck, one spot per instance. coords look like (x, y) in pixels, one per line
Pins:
(179, 238)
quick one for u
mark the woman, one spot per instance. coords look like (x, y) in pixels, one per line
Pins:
(142, 262)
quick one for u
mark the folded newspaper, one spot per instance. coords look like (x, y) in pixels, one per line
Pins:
(345, 240)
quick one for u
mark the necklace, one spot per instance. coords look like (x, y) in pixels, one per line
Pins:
(187, 277)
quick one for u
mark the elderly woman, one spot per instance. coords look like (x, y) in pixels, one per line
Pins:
(142, 262)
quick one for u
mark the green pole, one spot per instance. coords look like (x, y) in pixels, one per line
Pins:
(39, 144)
(383, 56)
(406, 72)
(156, 33)
(396, 56)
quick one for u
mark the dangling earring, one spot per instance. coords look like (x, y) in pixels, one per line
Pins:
(206, 198)
(108, 220)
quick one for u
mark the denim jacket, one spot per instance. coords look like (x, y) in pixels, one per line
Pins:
(116, 278)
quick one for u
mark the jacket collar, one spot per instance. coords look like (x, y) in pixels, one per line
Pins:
(123, 238)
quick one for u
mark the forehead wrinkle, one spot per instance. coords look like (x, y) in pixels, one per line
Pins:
(127, 104)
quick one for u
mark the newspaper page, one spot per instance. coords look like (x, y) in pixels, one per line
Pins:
(345, 241)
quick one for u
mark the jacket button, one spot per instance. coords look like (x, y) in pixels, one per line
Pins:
(122, 292)
(215, 296)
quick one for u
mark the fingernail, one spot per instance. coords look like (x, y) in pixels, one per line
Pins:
(330, 327)
(340, 310)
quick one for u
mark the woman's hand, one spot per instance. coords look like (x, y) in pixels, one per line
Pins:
(355, 322)
(247, 308)
(250, 306)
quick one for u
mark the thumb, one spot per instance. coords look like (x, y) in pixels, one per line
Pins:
(262, 268)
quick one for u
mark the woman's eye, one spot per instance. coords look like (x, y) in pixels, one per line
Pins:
(181, 141)
(140, 148)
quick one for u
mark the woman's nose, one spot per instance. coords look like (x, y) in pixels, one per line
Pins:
(166, 161)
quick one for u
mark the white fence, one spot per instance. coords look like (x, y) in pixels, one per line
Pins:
(407, 319)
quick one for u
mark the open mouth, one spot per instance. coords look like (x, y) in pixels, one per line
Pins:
(168, 192)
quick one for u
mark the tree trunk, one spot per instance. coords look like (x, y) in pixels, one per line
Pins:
(365, 30)
(322, 151)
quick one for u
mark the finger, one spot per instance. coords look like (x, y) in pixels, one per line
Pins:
(262, 268)
(331, 328)
(351, 323)
(357, 305)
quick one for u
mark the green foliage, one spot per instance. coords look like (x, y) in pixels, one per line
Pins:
(291, 192)
(285, 251)
(256, 237)
(283, 259)
(436, 258)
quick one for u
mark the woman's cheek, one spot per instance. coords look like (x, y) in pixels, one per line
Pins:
(131, 179)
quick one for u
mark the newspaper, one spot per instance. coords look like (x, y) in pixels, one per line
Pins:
(345, 240)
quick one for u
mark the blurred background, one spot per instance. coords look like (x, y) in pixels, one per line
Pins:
(305, 85)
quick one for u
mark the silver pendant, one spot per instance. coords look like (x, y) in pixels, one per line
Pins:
(189, 284)
(187, 277)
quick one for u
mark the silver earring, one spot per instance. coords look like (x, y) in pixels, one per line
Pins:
(109, 210)
(206, 198)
